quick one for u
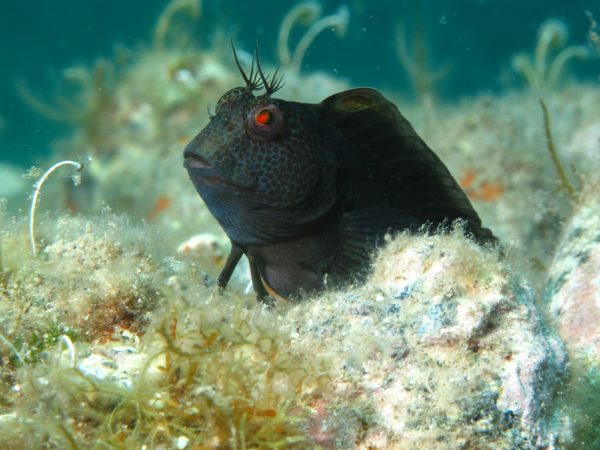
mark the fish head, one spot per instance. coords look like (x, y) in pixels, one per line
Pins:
(263, 155)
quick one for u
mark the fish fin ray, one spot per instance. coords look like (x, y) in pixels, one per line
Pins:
(412, 169)
(361, 232)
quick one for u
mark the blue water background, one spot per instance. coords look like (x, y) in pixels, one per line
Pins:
(477, 38)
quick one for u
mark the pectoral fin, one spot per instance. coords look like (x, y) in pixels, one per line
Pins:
(235, 254)
(362, 231)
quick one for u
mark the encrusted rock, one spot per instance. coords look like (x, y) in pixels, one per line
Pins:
(573, 290)
(442, 349)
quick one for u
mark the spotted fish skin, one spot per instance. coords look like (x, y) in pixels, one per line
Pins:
(307, 191)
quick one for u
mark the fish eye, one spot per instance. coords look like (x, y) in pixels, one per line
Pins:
(264, 122)
(263, 117)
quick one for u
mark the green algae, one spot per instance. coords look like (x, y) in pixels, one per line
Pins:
(208, 368)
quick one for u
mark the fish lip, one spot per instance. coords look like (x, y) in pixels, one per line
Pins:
(207, 172)
(195, 161)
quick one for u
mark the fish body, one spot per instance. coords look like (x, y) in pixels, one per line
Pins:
(307, 191)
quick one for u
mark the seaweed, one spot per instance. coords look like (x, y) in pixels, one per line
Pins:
(564, 182)
(89, 109)
(164, 23)
(593, 32)
(307, 13)
(416, 60)
(38, 187)
(232, 384)
(544, 68)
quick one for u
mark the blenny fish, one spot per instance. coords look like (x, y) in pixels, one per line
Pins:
(308, 191)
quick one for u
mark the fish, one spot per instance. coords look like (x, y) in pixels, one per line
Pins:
(307, 192)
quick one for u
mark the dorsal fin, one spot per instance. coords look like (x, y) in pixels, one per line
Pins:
(421, 183)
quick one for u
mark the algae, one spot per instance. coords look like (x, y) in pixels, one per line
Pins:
(543, 70)
(114, 336)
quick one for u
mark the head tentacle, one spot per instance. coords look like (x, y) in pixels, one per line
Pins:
(271, 85)
(254, 80)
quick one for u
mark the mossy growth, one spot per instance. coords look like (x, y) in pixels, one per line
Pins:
(40, 340)
(191, 369)
(212, 378)
(92, 277)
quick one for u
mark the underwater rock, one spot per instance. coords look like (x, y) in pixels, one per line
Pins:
(573, 291)
(443, 348)
(92, 277)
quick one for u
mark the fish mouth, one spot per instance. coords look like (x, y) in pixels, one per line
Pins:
(204, 171)
(194, 161)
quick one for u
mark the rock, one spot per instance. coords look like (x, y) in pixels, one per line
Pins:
(443, 348)
(573, 292)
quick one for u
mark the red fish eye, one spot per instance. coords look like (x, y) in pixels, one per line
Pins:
(264, 122)
(263, 117)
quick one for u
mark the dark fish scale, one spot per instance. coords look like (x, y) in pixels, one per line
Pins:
(311, 190)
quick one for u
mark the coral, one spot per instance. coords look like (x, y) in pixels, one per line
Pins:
(234, 386)
(442, 345)
(500, 154)
(543, 70)
(573, 291)
(13, 185)
(483, 191)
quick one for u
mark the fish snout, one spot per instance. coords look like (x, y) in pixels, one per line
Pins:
(192, 160)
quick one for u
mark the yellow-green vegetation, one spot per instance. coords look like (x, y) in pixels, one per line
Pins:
(543, 70)
(164, 24)
(307, 13)
(415, 58)
(212, 371)
(213, 379)
(121, 346)
(562, 177)
(89, 274)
